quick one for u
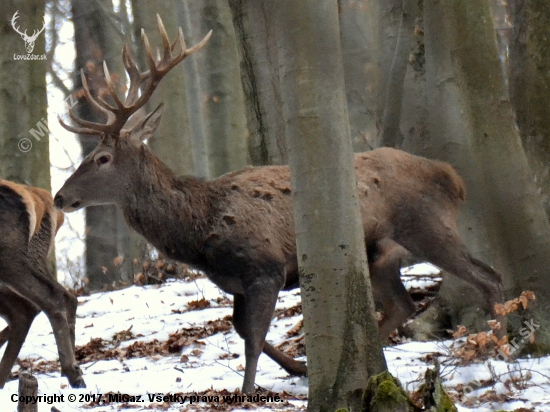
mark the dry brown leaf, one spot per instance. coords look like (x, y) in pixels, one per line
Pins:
(460, 331)
(196, 352)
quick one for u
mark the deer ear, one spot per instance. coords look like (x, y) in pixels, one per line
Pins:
(145, 127)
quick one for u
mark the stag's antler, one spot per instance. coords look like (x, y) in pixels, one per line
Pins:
(118, 115)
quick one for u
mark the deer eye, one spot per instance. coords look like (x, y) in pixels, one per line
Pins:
(101, 160)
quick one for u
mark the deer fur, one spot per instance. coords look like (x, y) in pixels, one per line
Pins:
(28, 224)
(239, 228)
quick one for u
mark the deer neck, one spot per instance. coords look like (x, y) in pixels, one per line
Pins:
(172, 213)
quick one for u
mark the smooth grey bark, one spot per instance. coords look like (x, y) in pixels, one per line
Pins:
(359, 35)
(414, 115)
(107, 235)
(343, 347)
(172, 142)
(474, 128)
(390, 126)
(23, 99)
(189, 20)
(215, 99)
(255, 34)
(389, 16)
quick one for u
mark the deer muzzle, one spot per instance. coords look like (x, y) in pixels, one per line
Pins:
(62, 204)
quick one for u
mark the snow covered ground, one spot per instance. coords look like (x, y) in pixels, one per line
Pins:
(135, 324)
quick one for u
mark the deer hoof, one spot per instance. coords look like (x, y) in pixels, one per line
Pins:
(78, 383)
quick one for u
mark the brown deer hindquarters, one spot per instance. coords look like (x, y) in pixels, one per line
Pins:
(28, 223)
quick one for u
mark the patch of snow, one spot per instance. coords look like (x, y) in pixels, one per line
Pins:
(153, 312)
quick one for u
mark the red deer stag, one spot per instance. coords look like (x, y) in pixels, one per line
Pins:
(239, 228)
(28, 223)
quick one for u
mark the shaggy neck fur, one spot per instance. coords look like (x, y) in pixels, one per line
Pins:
(172, 213)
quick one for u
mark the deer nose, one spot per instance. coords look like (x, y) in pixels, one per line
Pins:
(58, 201)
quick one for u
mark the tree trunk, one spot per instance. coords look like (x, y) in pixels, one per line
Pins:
(343, 347)
(359, 33)
(172, 142)
(393, 88)
(107, 235)
(255, 34)
(216, 98)
(530, 85)
(414, 115)
(474, 124)
(24, 139)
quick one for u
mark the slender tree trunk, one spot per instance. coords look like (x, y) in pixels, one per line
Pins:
(96, 41)
(391, 135)
(359, 33)
(414, 116)
(24, 155)
(389, 16)
(260, 80)
(190, 20)
(172, 142)
(216, 100)
(342, 341)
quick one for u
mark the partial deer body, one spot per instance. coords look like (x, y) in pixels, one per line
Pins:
(384, 257)
(28, 223)
(239, 228)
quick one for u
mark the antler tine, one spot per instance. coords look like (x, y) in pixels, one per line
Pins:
(156, 72)
(199, 45)
(76, 130)
(117, 116)
(86, 124)
(150, 60)
(111, 88)
(136, 78)
(98, 104)
(165, 40)
(178, 40)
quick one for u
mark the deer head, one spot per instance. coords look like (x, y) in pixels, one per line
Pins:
(29, 40)
(103, 174)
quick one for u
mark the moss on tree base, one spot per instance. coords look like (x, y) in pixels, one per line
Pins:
(384, 393)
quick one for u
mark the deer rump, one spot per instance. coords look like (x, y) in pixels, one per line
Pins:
(28, 223)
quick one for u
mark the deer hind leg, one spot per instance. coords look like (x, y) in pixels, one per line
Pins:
(39, 287)
(441, 245)
(59, 317)
(19, 314)
(71, 304)
(384, 266)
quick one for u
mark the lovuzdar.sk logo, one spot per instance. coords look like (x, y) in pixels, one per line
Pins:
(29, 40)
